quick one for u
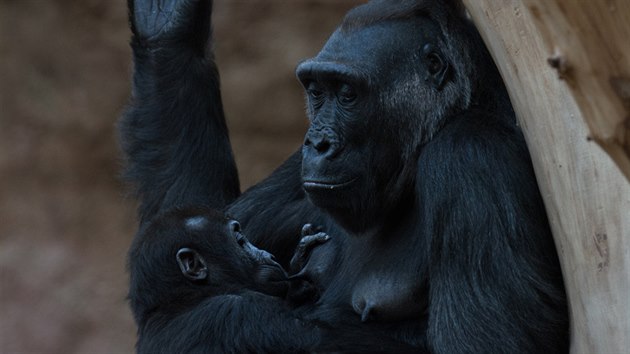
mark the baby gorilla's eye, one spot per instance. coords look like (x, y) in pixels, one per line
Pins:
(434, 63)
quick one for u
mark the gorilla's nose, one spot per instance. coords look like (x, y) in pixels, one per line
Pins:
(323, 144)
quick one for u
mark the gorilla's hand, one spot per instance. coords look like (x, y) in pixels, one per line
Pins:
(164, 22)
(311, 237)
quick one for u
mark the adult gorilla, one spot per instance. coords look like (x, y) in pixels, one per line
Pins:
(413, 163)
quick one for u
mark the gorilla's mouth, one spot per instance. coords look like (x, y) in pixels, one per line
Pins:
(272, 272)
(327, 185)
(271, 279)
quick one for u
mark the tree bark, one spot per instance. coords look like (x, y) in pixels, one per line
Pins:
(566, 64)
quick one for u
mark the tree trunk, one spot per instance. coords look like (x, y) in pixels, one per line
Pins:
(566, 64)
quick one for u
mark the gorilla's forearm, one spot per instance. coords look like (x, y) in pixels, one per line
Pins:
(174, 132)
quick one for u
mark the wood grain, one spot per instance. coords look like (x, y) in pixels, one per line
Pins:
(559, 60)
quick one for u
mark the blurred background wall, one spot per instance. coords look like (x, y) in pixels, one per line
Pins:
(65, 221)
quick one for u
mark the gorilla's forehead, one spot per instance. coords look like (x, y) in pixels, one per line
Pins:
(196, 223)
(378, 42)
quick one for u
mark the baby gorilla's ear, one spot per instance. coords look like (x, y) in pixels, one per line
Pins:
(192, 265)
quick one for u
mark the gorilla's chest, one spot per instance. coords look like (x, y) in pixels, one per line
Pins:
(376, 286)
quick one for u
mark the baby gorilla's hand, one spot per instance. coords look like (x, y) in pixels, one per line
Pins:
(311, 238)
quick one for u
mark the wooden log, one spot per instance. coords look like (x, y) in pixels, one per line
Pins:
(586, 194)
(590, 41)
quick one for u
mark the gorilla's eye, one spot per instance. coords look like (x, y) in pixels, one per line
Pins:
(434, 63)
(347, 94)
(314, 91)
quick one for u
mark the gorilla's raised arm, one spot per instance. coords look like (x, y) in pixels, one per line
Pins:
(174, 133)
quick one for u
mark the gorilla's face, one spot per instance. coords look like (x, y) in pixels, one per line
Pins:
(367, 95)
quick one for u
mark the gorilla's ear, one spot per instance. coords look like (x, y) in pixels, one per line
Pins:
(192, 265)
(438, 68)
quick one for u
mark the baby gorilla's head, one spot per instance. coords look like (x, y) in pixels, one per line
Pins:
(195, 254)
(223, 250)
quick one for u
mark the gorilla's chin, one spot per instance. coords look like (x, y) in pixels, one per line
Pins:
(330, 194)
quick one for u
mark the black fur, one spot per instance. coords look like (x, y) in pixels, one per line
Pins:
(413, 163)
(219, 314)
(233, 304)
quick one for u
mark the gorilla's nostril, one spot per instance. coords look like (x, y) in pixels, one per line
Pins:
(322, 146)
(235, 226)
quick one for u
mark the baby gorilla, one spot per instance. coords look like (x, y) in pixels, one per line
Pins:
(198, 285)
